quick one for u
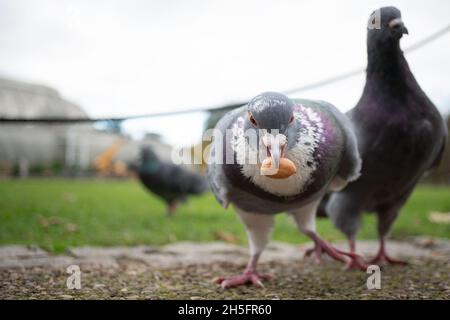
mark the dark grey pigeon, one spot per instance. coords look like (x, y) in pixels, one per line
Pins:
(168, 181)
(314, 135)
(401, 135)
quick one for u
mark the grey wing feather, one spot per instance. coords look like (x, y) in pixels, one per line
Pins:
(217, 182)
(351, 162)
(215, 175)
(350, 165)
(438, 159)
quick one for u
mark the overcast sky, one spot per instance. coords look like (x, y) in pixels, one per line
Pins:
(117, 58)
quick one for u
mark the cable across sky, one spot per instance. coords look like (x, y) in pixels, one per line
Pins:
(337, 78)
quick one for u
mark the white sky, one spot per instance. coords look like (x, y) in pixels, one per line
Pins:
(118, 58)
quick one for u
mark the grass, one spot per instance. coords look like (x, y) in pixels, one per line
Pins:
(59, 213)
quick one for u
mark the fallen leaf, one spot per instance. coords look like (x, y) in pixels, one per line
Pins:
(439, 217)
(48, 221)
(426, 242)
(226, 236)
(71, 227)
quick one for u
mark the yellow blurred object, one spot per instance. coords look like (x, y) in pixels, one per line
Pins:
(104, 162)
(120, 169)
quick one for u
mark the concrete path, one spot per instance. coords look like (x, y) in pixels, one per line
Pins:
(184, 270)
(187, 253)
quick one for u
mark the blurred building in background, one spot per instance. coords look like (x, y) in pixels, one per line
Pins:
(85, 149)
(54, 149)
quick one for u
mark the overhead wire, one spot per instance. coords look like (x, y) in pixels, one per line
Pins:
(336, 78)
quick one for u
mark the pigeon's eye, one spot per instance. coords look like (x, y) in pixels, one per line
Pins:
(252, 119)
(291, 119)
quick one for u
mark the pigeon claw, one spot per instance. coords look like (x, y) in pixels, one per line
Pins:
(317, 250)
(321, 245)
(383, 258)
(351, 260)
(356, 263)
(252, 278)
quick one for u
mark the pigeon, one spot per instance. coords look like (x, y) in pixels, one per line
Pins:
(170, 182)
(401, 136)
(313, 145)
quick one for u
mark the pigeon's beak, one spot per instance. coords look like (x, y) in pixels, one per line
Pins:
(275, 148)
(405, 30)
(398, 25)
(275, 154)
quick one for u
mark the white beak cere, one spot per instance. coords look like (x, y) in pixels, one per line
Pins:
(279, 140)
(275, 146)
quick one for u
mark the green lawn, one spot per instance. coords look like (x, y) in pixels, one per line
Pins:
(58, 213)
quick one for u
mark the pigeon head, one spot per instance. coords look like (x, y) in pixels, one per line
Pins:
(147, 154)
(385, 26)
(272, 115)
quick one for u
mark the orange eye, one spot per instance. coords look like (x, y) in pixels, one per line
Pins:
(252, 119)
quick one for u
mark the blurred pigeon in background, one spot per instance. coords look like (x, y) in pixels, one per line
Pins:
(313, 146)
(170, 182)
(401, 135)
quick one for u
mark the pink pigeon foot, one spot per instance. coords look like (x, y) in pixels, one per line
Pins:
(383, 258)
(357, 262)
(349, 258)
(248, 277)
(317, 250)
